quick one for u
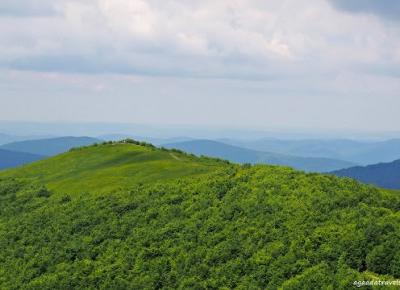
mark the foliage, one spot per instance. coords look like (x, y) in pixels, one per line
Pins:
(226, 226)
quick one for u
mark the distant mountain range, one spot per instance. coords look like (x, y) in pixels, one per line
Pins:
(385, 175)
(353, 151)
(23, 152)
(308, 155)
(10, 159)
(49, 147)
(7, 138)
(244, 155)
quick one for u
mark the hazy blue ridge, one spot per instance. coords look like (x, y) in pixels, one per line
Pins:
(360, 152)
(385, 175)
(9, 159)
(49, 147)
(8, 138)
(244, 155)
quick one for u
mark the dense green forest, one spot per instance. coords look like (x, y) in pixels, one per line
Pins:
(131, 216)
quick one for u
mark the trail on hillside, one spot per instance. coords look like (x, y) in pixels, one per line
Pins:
(174, 156)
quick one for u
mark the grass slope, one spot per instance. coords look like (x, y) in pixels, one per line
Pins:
(123, 216)
(244, 155)
(49, 147)
(110, 166)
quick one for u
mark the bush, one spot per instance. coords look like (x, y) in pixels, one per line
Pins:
(65, 199)
(43, 192)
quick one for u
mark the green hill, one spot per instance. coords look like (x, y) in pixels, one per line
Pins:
(126, 216)
(110, 166)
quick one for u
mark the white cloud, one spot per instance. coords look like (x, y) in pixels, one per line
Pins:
(135, 18)
(208, 38)
(295, 50)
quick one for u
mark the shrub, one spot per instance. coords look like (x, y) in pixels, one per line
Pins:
(43, 192)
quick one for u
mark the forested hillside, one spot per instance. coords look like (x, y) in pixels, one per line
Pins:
(129, 216)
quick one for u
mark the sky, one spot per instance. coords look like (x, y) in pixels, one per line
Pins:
(316, 64)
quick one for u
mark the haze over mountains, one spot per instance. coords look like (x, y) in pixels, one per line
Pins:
(315, 155)
(361, 152)
(8, 138)
(49, 147)
(243, 155)
(27, 151)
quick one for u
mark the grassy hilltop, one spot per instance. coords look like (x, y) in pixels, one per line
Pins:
(111, 166)
(131, 216)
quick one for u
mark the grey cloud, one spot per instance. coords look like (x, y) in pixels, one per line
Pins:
(27, 8)
(94, 39)
(157, 63)
(388, 9)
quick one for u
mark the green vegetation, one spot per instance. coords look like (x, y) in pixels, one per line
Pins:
(111, 166)
(128, 216)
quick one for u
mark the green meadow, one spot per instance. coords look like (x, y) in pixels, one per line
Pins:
(106, 167)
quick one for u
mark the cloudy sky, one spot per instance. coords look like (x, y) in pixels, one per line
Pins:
(331, 64)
